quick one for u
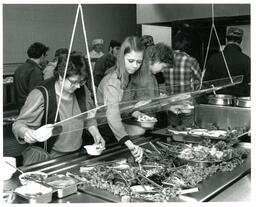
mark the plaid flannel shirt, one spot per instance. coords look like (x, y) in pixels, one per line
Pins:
(185, 76)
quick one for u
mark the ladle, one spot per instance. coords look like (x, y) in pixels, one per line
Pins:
(15, 167)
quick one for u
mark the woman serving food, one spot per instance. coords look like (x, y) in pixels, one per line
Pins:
(75, 99)
(113, 85)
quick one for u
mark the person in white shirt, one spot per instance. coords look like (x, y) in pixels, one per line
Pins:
(97, 47)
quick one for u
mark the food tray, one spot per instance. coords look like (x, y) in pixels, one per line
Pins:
(26, 191)
(64, 185)
(203, 135)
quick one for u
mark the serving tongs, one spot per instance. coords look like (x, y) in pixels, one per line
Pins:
(166, 146)
(150, 181)
(76, 176)
(155, 148)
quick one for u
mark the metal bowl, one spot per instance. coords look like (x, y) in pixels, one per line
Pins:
(221, 99)
(243, 102)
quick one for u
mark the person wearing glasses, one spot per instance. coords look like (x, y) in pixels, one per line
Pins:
(75, 99)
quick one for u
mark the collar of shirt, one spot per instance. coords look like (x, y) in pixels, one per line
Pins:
(232, 46)
(33, 63)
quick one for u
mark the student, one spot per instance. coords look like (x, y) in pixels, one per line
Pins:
(185, 76)
(49, 69)
(112, 86)
(97, 47)
(74, 100)
(106, 61)
(157, 58)
(238, 64)
(29, 74)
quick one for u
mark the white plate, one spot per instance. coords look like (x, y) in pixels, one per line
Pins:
(139, 188)
(121, 167)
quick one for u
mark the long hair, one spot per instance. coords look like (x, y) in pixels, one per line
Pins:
(131, 43)
(145, 81)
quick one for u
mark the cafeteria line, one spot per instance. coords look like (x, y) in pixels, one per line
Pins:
(168, 119)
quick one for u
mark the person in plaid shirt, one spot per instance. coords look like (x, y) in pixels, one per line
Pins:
(185, 76)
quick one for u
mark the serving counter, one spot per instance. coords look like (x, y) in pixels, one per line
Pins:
(208, 188)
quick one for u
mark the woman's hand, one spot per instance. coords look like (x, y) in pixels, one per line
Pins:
(136, 150)
(100, 141)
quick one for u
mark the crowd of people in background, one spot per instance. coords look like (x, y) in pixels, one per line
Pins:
(130, 70)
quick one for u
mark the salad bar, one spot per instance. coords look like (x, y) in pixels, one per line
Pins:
(179, 164)
(170, 171)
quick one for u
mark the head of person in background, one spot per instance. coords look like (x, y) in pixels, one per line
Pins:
(129, 59)
(147, 41)
(234, 35)
(38, 53)
(48, 71)
(60, 52)
(157, 58)
(182, 42)
(76, 52)
(97, 45)
(114, 47)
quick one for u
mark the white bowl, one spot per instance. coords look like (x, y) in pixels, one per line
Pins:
(8, 170)
(134, 130)
(30, 176)
(148, 124)
(94, 149)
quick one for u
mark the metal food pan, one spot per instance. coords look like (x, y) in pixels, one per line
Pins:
(63, 190)
(243, 102)
(221, 99)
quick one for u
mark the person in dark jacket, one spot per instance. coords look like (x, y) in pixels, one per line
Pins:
(75, 99)
(105, 62)
(29, 75)
(238, 64)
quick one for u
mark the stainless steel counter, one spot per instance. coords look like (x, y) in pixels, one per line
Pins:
(208, 189)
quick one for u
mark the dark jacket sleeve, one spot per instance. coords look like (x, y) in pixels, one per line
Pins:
(36, 77)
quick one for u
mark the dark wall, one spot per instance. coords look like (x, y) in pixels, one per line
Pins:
(153, 13)
(53, 24)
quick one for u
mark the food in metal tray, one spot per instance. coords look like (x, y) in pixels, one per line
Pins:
(36, 176)
(211, 131)
(33, 190)
(165, 178)
(60, 181)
